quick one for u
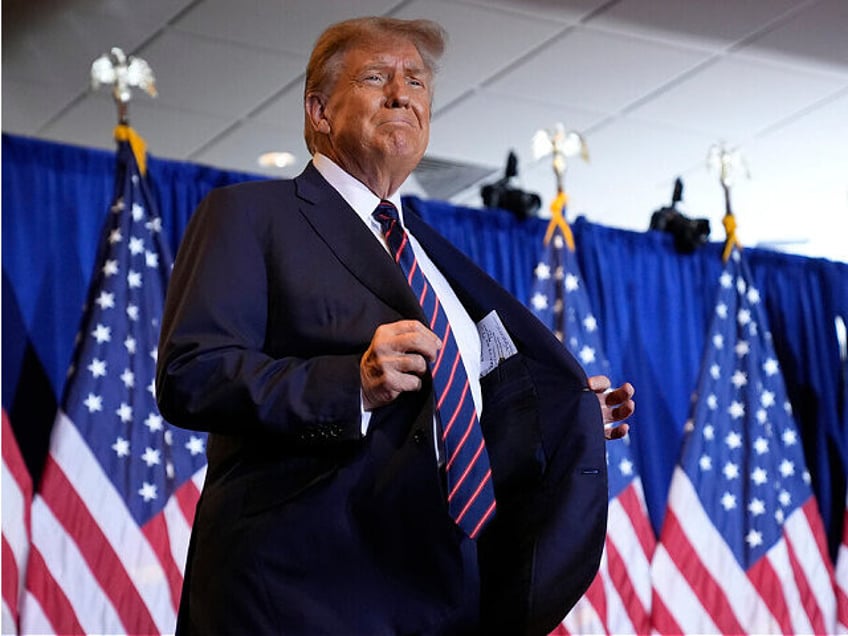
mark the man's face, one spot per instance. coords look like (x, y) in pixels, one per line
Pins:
(377, 116)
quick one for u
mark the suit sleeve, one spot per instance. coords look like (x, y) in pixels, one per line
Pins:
(215, 371)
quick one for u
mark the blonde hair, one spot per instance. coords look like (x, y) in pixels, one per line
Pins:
(325, 63)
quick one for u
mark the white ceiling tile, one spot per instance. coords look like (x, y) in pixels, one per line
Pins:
(564, 10)
(474, 50)
(27, 106)
(60, 47)
(169, 133)
(287, 25)
(596, 70)
(240, 148)
(793, 42)
(489, 126)
(736, 98)
(285, 110)
(700, 24)
(208, 76)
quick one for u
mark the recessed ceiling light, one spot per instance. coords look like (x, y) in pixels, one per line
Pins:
(276, 159)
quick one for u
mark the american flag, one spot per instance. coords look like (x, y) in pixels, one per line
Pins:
(112, 516)
(742, 548)
(618, 600)
(17, 499)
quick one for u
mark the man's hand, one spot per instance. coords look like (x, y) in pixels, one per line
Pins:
(395, 361)
(616, 405)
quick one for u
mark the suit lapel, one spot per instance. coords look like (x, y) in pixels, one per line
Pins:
(352, 243)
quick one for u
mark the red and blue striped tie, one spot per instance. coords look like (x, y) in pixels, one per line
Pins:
(471, 495)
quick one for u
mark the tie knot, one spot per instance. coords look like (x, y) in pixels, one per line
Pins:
(386, 214)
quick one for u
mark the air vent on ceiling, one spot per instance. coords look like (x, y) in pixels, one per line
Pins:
(443, 178)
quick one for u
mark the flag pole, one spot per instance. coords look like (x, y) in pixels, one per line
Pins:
(123, 73)
(560, 145)
(727, 163)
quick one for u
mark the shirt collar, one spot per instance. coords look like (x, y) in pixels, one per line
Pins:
(353, 191)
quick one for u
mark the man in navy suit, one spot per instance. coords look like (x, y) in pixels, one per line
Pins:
(294, 338)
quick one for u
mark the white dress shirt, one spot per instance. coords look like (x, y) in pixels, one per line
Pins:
(364, 202)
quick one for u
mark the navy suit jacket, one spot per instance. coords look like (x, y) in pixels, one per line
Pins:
(304, 526)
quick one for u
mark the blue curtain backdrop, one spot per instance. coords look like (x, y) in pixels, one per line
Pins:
(653, 304)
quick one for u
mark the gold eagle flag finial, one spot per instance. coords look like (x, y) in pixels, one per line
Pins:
(560, 144)
(123, 73)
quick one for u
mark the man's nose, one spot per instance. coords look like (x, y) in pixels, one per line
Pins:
(397, 93)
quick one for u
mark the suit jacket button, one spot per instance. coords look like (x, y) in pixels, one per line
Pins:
(418, 436)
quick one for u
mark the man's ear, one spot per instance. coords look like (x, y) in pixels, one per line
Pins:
(314, 104)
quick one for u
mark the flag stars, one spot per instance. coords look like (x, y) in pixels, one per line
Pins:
(733, 440)
(543, 271)
(102, 333)
(721, 310)
(587, 354)
(121, 447)
(712, 402)
(105, 300)
(736, 409)
(169, 470)
(132, 312)
(136, 246)
(150, 457)
(790, 437)
(154, 225)
(761, 446)
(715, 372)
(770, 367)
(572, 283)
(786, 468)
(134, 279)
(169, 438)
(739, 379)
(110, 268)
(718, 341)
(757, 507)
(97, 368)
(151, 259)
(130, 344)
(753, 296)
(137, 212)
(625, 467)
(759, 476)
(93, 403)
(148, 492)
(125, 412)
(194, 445)
(115, 236)
(754, 538)
(709, 432)
(762, 416)
(730, 471)
(705, 462)
(589, 323)
(784, 498)
(767, 399)
(726, 280)
(539, 301)
(742, 348)
(154, 422)
(728, 501)
(128, 378)
(743, 317)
